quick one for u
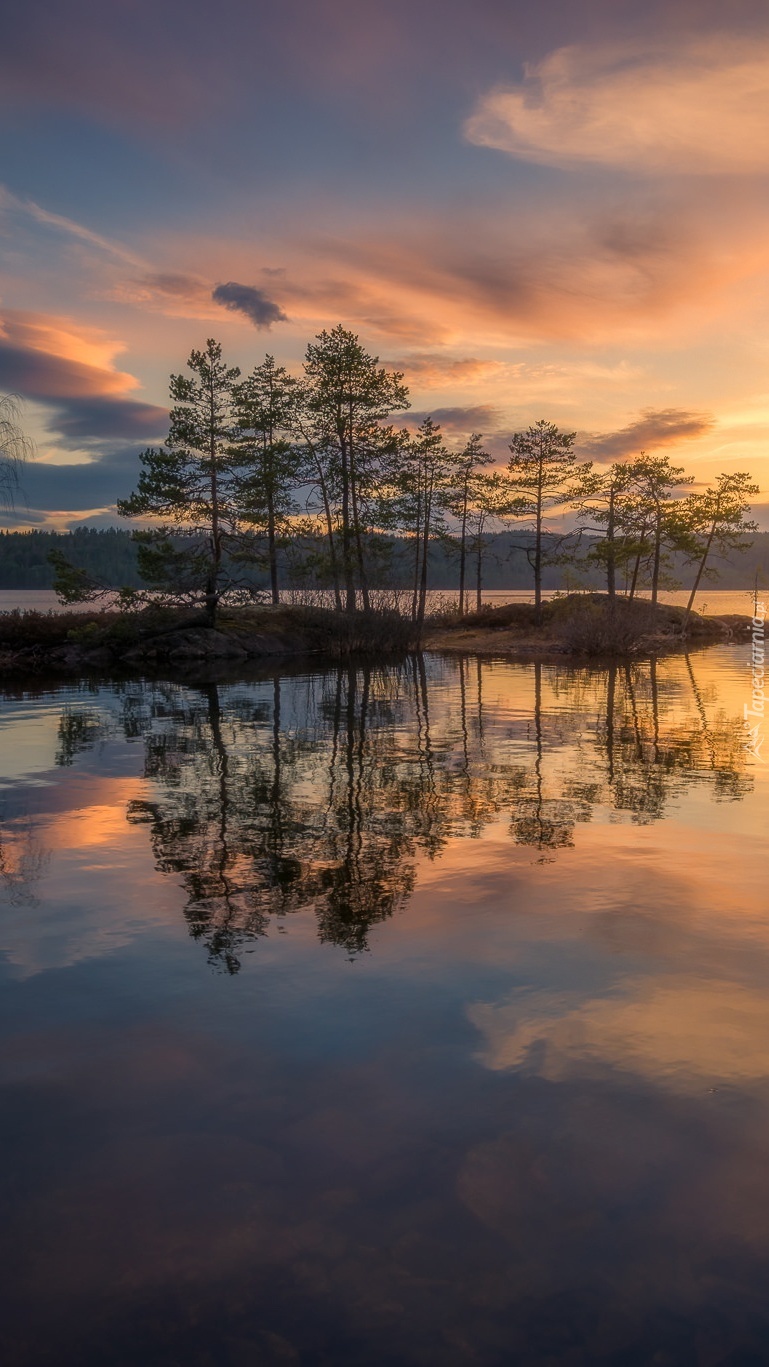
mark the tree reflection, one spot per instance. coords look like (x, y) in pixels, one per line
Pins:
(539, 819)
(23, 864)
(322, 792)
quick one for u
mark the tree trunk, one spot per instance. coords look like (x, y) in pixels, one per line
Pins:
(699, 575)
(634, 580)
(423, 570)
(538, 571)
(611, 571)
(463, 554)
(272, 550)
(212, 582)
(359, 542)
(538, 551)
(330, 536)
(657, 556)
(417, 558)
(479, 562)
(347, 558)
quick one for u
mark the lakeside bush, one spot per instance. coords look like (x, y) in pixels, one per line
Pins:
(590, 624)
(297, 627)
(380, 630)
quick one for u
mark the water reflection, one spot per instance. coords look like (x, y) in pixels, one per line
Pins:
(529, 1126)
(323, 791)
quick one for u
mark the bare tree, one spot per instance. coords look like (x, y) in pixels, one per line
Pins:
(15, 448)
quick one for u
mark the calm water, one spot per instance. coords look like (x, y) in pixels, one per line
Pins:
(711, 602)
(402, 1016)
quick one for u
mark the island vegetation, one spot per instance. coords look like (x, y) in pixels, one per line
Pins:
(305, 507)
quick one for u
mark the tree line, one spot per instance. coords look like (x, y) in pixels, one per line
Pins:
(254, 464)
(108, 555)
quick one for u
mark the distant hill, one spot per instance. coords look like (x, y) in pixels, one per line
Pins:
(110, 556)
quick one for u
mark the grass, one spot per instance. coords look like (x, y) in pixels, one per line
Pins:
(588, 624)
(296, 627)
(381, 631)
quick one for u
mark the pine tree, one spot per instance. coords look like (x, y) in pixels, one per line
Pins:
(463, 502)
(543, 473)
(347, 398)
(657, 513)
(269, 463)
(489, 504)
(189, 483)
(716, 518)
(606, 505)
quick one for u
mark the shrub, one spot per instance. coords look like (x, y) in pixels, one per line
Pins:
(521, 615)
(594, 625)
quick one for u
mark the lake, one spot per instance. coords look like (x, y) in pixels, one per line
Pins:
(402, 1015)
(710, 602)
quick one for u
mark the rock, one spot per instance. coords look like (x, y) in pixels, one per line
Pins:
(29, 655)
(202, 643)
(182, 647)
(737, 624)
(98, 658)
(139, 655)
(256, 644)
(65, 657)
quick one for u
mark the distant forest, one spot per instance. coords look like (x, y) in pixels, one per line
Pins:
(110, 556)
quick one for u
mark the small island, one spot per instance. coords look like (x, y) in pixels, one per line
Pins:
(299, 515)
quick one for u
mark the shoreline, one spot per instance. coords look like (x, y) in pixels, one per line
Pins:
(579, 628)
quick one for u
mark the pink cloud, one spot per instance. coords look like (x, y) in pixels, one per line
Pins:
(698, 106)
(40, 358)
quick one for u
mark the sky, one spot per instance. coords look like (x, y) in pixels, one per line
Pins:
(554, 211)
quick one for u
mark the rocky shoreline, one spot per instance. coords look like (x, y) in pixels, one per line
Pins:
(177, 649)
(587, 626)
(578, 626)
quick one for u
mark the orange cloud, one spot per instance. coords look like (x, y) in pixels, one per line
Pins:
(699, 109)
(433, 371)
(653, 429)
(85, 355)
(50, 361)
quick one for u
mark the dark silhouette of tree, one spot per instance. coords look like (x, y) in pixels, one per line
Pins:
(655, 512)
(269, 463)
(346, 399)
(543, 473)
(716, 519)
(463, 503)
(189, 483)
(607, 503)
(15, 448)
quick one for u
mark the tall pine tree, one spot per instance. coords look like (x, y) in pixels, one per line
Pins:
(189, 484)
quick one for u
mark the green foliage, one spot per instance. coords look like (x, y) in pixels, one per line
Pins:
(72, 583)
(269, 463)
(277, 480)
(716, 523)
(346, 399)
(189, 483)
(543, 473)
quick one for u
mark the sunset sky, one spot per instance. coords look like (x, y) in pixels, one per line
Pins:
(556, 210)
